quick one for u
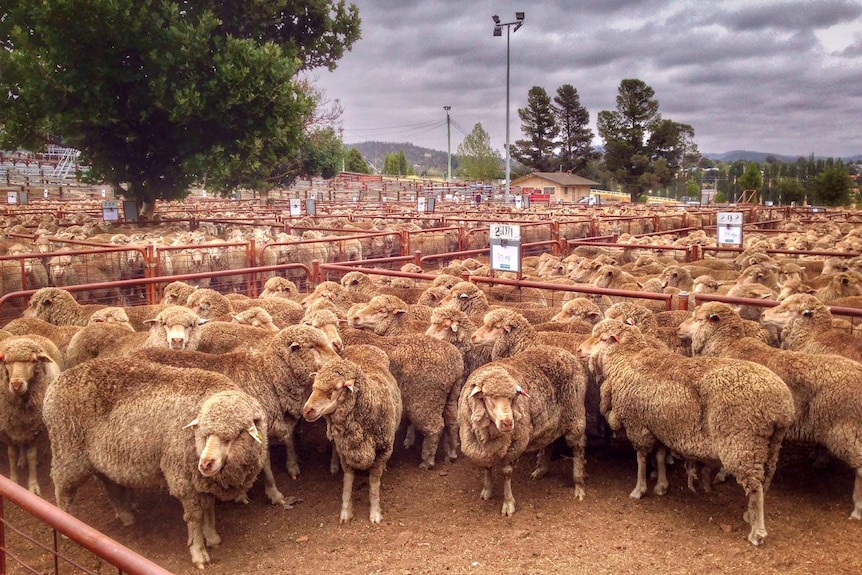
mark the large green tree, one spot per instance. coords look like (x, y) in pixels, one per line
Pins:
(157, 95)
(832, 186)
(355, 162)
(476, 159)
(751, 179)
(575, 137)
(395, 164)
(540, 127)
(642, 150)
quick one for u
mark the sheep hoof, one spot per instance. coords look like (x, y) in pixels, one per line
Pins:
(538, 473)
(721, 476)
(426, 465)
(242, 499)
(213, 540)
(375, 517)
(346, 516)
(857, 514)
(199, 565)
(334, 468)
(126, 518)
(486, 494)
(580, 494)
(293, 470)
(408, 442)
(637, 493)
(508, 508)
(660, 489)
(34, 489)
(276, 498)
(757, 537)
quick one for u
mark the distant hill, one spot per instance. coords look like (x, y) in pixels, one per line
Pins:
(760, 157)
(422, 159)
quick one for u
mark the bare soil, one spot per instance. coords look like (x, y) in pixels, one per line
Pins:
(435, 523)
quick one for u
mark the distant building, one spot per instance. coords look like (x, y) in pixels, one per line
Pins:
(560, 186)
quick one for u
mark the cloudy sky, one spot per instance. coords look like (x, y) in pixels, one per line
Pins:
(778, 76)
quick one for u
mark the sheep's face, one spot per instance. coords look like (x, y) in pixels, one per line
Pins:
(444, 329)
(792, 287)
(325, 396)
(355, 280)
(177, 331)
(498, 403)
(490, 332)
(227, 432)
(328, 324)
(19, 369)
(705, 284)
(256, 318)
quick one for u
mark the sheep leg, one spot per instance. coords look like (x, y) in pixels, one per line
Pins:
(577, 442)
(450, 416)
(543, 460)
(334, 461)
(857, 496)
(211, 536)
(661, 469)
(706, 479)
(275, 496)
(487, 485)
(119, 498)
(641, 485)
(374, 476)
(410, 437)
(12, 452)
(429, 447)
(347, 494)
(508, 500)
(755, 514)
(193, 515)
(691, 474)
(290, 447)
(33, 464)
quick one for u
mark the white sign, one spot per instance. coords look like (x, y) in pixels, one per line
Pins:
(295, 207)
(12, 197)
(420, 205)
(506, 258)
(104, 194)
(45, 194)
(519, 202)
(509, 232)
(730, 235)
(729, 218)
(110, 211)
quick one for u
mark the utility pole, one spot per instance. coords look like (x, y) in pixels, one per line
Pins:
(448, 143)
(498, 31)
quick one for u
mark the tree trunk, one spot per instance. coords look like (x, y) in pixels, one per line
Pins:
(263, 197)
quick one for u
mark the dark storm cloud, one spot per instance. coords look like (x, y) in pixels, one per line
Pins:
(743, 74)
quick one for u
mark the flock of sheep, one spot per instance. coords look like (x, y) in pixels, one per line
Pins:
(198, 385)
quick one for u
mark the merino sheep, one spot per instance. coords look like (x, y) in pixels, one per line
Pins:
(257, 317)
(279, 287)
(522, 404)
(806, 325)
(278, 377)
(61, 335)
(827, 389)
(327, 322)
(59, 307)
(177, 293)
(728, 412)
(509, 332)
(28, 365)
(175, 327)
(361, 402)
(111, 315)
(579, 308)
(468, 298)
(210, 304)
(335, 293)
(205, 438)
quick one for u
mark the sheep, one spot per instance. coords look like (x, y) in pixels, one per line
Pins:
(28, 365)
(806, 325)
(59, 307)
(844, 284)
(426, 371)
(724, 411)
(204, 438)
(327, 322)
(111, 315)
(279, 377)
(386, 315)
(210, 304)
(335, 293)
(433, 296)
(579, 308)
(827, 389)
(508, 332)
(279, 287)
(61, 335)
(454, 326)
(177, 293)
(635, 314)
(176, 327)
(257, 317)
(361, 284)
(522, 404)
(467, 297)
(361, 402)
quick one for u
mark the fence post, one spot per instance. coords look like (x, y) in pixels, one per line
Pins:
(151, 271)
(683, 301)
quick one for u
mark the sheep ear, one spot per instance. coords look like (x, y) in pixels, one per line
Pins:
(507, 328)
(203, 320)
(400, 312)
(593, 314)
(192, 423)
(145, 321)
(454, 327)
(521, 391)
(235, 318)
(255, 433)
(630, 321)
(349, 384)
(463, 296)
(476, 390)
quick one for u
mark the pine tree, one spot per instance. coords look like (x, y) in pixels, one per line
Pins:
(575, 140)
(540, 127)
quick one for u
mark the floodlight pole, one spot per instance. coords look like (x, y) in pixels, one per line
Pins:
(448, 143)
(519, 21)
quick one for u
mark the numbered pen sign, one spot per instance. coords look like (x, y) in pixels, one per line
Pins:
(505, 247)
(111, 210)
(295, 207)
(12, 197)
(729, 228)
(508, 232)
(421, 205)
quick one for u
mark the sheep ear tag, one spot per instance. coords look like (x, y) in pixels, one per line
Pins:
(192, 423)
(255, 433)
(521, 391)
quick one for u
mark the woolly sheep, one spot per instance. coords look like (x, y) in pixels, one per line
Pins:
(205, 438)
(257, 317)
(175, 327)
(728, 411)
(177, 293)
(579, 308)
(210, 304)
(468, 298)
(327, 322)
(28, 365)
(59, 307)
(827, 389)
(806, 325)
(508, 332)
(61, 335)
(361, 402)
(279, 287)
(279, 377)
(522, 404)
(111, 315)
(335, 293)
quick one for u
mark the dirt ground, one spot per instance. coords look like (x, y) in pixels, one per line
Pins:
(435, 523)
